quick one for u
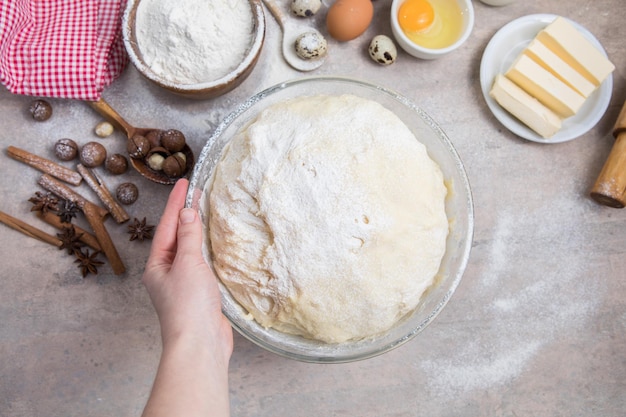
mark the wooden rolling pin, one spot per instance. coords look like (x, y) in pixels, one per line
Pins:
(610, 187)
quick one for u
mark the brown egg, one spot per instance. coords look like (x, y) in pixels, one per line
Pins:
(347, 19)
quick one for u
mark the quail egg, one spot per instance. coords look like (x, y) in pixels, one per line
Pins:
(305, 8)
(383, 50)
(311, 45)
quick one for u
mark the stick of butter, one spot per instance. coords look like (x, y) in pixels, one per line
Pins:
(545, 87)
(567, 42)
(525, 107)
(559, 68)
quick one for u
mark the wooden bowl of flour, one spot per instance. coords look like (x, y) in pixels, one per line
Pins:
(199, 51)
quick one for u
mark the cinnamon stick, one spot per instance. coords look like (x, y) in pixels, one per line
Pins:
(29, 230)
(85, 237)
(45, 165)
(97, 185)
(95, 216)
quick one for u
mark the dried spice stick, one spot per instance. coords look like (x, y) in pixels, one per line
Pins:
(29, 230)
(45, 165)
(95, 216)
(85, 237)
(97, 185)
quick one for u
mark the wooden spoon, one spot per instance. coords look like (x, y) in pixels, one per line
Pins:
(291, 31)
(140, 165)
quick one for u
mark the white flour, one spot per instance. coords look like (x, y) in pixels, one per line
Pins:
(194, 41)
(520, 321)
(308, 230)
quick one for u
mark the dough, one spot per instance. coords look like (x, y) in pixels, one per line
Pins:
(327, 218)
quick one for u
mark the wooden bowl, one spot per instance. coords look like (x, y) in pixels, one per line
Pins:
(205, 89)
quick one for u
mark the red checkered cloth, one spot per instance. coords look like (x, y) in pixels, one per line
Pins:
(61, 48)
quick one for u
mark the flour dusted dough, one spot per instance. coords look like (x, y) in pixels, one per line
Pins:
(327, 218)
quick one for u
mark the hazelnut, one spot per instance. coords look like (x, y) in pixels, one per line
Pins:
(41, 110)
(116, 164)
(127, 193)
(93, 154)
(182, 156)
(154, 137)
(173, 140)
(174, 166)
(103, 129)
(138, 147)
(155, 161)
(65, 149)
(156, 156)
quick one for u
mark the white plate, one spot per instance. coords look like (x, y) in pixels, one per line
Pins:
(500, 53)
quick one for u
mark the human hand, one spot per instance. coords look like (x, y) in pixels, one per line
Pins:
(192, 379)
(183, 288)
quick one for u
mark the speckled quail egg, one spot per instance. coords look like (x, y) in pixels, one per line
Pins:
(383, 50)
(305, 8)
(311, 45)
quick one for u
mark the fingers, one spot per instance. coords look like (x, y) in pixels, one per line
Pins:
(189, 237)
(164, 241)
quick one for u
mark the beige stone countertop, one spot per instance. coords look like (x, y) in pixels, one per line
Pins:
(537, 326)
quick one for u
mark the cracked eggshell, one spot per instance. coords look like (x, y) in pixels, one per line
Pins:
(383, 50)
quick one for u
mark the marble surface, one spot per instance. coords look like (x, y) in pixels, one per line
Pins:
(537, 326)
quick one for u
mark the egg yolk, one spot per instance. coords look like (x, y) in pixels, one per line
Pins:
(416, 15)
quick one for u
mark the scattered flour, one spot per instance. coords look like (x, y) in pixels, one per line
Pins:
(198, 41)
(538, 304)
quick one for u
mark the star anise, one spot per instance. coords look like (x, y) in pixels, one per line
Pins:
(68, 211)
(44, 202)
(139, 230)
(87, 262)
(70, 240)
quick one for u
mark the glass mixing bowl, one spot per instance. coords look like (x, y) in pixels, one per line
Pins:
(459, 208)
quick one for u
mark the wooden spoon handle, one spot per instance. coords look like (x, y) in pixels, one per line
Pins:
(112, 116)
(276, 11)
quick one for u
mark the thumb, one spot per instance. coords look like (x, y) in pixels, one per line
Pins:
(189, 236)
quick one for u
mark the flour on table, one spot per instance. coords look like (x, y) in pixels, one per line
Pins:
(511, 336)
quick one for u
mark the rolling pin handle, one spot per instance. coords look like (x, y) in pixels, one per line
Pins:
(610, 187)
(620, 124)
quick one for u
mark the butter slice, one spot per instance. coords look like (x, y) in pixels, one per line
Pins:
(525, 107)
(559, 68)
(545, 87)
(567, 42)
